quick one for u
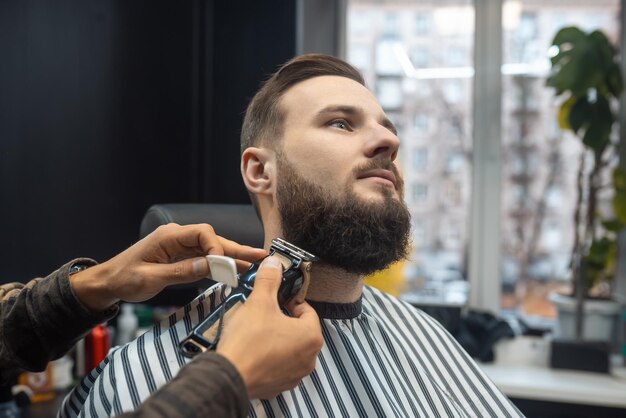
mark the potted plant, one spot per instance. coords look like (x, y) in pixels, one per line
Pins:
(587, 77)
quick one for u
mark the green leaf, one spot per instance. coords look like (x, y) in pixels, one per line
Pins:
(597, 136)
(582, 61)
(613, 225)
(598, 131)
(551, 81)
(619, 179)
(611, 263)
(603, 49)
(614, 80)
(564, 111)
(578, 74)
(567, 35)
(619, 196)
(598, 259)
(599, 250)
(619, 205)
(579, 114)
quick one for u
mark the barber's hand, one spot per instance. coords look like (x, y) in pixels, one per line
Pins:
(171, 254)
(271, 350)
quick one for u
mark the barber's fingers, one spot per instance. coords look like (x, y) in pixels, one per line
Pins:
(177, 242)
(184, 271)
(242, 254)
(267, 280)
(190, 270)
(302, 310)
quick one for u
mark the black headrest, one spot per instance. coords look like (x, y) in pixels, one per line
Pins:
(232, 221)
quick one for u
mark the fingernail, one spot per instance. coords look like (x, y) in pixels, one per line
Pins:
(272, 262)
(200, 266)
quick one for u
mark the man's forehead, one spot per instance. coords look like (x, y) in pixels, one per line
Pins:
(314, 95)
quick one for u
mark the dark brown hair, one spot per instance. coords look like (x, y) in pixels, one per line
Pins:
(264, 119)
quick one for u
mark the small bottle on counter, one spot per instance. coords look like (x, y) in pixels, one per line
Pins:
(127, 324)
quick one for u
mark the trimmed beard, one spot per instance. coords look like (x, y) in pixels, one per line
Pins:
(358, 235)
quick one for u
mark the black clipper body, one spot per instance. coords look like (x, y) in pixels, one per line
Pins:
(296, 263)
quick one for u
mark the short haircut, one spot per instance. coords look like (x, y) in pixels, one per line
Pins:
(263, 121)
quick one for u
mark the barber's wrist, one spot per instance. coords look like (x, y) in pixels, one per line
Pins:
(247, 375)
(226, 362)
(92, 287)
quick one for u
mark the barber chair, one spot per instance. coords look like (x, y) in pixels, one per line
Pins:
(236, 222)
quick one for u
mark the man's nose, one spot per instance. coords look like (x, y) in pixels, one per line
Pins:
(382, 143)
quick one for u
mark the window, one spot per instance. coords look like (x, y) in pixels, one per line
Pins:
(432, 60)
(419, 231)
(451, 236)
(421, 123)
(455, 56)
(391, 24)
(452, 193)
(422, 23)
(454, 162)
(551, 236)
(389, 93)
(528, 29)
(453, 91)
(420, 57)
(360, 22)
(419, 193)
(360, 56)
(388, 61)
(554, 197)
(420, 159)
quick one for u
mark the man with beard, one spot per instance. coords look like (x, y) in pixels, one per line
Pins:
(319, 161)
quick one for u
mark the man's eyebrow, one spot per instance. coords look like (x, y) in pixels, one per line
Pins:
(353, 110)
(350, 110)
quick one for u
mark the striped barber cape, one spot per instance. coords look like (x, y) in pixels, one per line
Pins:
(381, 358)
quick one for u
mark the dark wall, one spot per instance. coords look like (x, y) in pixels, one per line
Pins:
(107, 107)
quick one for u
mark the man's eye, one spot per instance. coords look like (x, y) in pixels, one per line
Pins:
(341, 124)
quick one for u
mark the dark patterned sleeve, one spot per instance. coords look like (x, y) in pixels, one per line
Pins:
(41, 320)
(209, 386)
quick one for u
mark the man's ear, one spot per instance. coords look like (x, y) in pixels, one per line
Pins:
(257, 170)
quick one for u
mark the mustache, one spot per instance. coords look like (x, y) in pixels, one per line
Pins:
(380, 163)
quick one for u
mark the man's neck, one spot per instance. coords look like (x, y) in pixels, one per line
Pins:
(334, 285)
(328, 283)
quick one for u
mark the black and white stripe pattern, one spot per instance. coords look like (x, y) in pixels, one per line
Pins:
(391, 360)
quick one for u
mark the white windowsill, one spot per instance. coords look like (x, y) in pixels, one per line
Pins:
(545, 384)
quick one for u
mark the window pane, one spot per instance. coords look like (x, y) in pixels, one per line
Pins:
(539, 162)
(420, 67)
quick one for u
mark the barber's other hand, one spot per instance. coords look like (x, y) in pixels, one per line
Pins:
(271, 350)
(171, 254)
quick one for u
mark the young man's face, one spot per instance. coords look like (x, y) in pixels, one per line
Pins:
(337, 136)
(338, 191)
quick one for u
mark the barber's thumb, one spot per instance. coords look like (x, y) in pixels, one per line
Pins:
(268, 277)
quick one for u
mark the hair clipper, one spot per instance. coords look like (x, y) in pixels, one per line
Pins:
(295, 281)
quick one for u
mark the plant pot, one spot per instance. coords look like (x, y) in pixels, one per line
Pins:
(599, 322)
